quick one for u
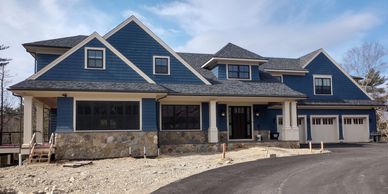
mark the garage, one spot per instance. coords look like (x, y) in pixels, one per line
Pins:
(301, 125)
(355, 128)
(324, 128)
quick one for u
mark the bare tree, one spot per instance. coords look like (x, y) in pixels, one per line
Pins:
(367, 61)
(3, 63)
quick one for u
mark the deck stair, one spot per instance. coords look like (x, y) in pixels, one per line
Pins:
(41, 152)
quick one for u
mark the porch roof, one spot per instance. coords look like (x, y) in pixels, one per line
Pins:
(340, 102)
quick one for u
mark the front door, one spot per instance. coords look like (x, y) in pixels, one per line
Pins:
(240, 126)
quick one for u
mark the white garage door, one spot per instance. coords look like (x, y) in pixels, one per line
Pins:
(355, 128)
(324, 128)
(301, 125)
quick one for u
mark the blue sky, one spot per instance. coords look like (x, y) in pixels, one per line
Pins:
(282, 28)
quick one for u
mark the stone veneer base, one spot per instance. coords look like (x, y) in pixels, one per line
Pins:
(97, 145)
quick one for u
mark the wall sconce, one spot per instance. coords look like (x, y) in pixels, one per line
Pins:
(257, 114)
(223, 114)
(64, 95)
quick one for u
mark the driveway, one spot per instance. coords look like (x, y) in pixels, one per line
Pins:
(357, 168)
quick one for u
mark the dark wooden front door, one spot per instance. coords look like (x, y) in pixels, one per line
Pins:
(240, 122)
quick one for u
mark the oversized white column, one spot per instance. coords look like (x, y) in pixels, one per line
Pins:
(213, 131)
(39, 121)
(27, 123)
(294, 116)
(286, 116)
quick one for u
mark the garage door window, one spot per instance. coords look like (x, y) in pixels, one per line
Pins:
(327, 121)
(348, 121)
(358, 121)
(316, 121)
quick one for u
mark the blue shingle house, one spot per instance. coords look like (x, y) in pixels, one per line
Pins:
(129, 93)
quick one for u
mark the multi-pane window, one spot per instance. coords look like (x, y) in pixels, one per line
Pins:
(106, 115)
(322, 85)
(316, 121)
(358, 121)
(94, 58)
(323, 121)
(347, 121)
(238, 72)
(181, 117)
(161, 65)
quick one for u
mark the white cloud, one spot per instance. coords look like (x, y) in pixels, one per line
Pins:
(26, 21)
(284, 28)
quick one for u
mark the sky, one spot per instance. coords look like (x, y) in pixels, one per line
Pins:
(281, 28)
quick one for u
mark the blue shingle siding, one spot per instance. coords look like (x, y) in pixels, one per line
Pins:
(215, 71)
(64, 114)
(222, 72)
(73, 68)
(221, 121)
(44, 59)
(343, 88)
(255, 72)
(205, 116)
(139, 47)
(267, 120)
(149, 114)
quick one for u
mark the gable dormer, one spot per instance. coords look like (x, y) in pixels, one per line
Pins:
(148, 52)
(235, 63)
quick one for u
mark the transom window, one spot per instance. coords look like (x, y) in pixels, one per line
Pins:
(106, 115)
(95, 58)
(162, 65)
(181, 117)
(239, 72)
(323, 85)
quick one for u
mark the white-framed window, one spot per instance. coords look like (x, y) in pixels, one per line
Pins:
(323, 85)
(95, 58)
(316, 121)
(358, 121)
(347, 121)
(242, 72)
(161, 65)
(278, 77)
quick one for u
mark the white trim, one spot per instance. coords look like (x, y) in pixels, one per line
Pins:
(75, 99)
(252, 122)
(227, 72)
(355, 116)
(82, 43)
(325, 116)
(331, 84)
(281, 77)
(103, 58)
(299, 116)
(155, 37)
(340, 68)
(233, 59)
(162, 57)
(285, 71)
(180, 103)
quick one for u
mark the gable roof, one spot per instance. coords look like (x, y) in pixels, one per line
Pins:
(157, 39)
(233, 51)
(82, 43)
(306, 59)
(65, 42)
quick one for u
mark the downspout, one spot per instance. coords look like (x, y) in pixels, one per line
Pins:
(158, 121)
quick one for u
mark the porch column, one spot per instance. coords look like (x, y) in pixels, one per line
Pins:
(286, 120)
(39, 121)
(213, 131)
(27, 123)
(294, 116)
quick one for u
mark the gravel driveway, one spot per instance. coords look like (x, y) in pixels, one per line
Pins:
(125, 175)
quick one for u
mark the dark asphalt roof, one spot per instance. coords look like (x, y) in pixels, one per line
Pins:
(233, 51)
(47, 85)
(234, 88)
(341, 102)
(306, 58)
(65, 42)
(282, 64)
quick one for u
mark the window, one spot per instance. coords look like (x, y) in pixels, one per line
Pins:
(278, 78)
(181, 117)
(239, 72)
(347, 121)
(280, 120)
(162, 65)
(322, 85)
(95, 58)
(316, 121)
(300, 120)
(358, 121)
(105, 115)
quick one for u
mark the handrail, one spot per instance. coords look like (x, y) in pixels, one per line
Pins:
(51, 141)
(33, 138)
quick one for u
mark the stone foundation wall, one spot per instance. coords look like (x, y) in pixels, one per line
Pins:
(96, 145)
(182, 137)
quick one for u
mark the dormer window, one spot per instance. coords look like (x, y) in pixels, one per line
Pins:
(323, 85)
(161, 65)
(94, 58)
(239, 72)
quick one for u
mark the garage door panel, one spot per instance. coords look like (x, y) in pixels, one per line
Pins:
(355, 129)
(324, 129)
